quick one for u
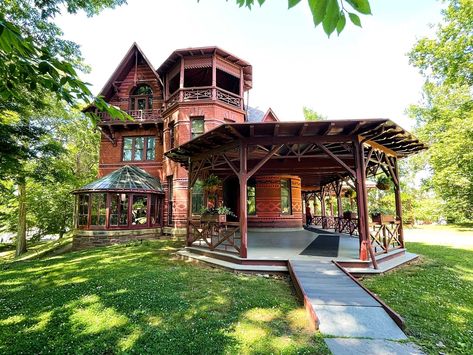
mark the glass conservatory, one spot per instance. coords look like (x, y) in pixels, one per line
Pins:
(128, 198)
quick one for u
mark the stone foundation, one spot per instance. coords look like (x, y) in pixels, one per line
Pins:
(93, 238)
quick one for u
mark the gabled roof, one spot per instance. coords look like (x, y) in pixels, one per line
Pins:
(270, 116)
(202, 51)
(127, 178)
(123, 68)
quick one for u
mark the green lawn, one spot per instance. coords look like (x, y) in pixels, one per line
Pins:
(435, 295)
(137, 299)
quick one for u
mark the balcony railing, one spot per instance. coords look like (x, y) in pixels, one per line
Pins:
(138, 115)
(204, 93)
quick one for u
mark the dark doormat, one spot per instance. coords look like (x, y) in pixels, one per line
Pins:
(324, 245)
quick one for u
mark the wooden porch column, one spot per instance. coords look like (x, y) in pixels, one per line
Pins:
(243, 179)
(338, 192)
(397, 196)
(362, 204)
(189, 207)
(322, 206)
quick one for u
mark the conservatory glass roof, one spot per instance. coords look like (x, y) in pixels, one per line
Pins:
(127, 178)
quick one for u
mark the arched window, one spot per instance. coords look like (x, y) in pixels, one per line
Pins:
(141, 98)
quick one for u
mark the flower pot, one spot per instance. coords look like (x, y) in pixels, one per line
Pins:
(222, 218)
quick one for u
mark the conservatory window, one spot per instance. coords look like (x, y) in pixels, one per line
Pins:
(139, 210)
(83, 210)
(98, 209)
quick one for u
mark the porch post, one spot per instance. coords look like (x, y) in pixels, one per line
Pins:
(322, 206)
(338, 191)
(397, 196)
(189, 206)
(243, 179)
(362, 204)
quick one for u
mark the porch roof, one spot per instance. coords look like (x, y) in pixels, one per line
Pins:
(300, 153)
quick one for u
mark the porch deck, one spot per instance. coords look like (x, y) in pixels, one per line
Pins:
(270, 251)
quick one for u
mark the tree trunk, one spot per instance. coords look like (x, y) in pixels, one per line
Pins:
(21, 232)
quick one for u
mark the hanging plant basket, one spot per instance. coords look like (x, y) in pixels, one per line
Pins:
(383, 183)
(212, 183)
(350, 193)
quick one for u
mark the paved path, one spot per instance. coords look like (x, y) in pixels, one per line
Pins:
(351, 320)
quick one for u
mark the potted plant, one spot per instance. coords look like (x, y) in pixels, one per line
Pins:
(379, 215)
(212, 183)
(349, 215)
(383, 183)
(216, 214)
(350, 193)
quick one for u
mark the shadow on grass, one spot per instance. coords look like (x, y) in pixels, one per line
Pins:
(136, 298)
(435, 296)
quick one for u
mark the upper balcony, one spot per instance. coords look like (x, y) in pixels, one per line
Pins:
(140, 117)
(206, 73)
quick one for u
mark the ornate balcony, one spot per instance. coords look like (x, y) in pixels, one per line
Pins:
(204, 93)
(139, 116)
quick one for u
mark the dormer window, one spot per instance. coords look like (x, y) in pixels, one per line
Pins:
(141, 98)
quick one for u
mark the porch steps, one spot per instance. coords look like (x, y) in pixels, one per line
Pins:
(232, 266)
(351, 319)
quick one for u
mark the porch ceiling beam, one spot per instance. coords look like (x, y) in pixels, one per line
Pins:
(264, 160)
(349, 130)
(230, 164)
(276, 130)
(326, 130)
(302, 130)
(235, 132)
(380, 147)
(297, 139)
(337, 159)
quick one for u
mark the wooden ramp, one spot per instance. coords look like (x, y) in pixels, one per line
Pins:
(351, 318)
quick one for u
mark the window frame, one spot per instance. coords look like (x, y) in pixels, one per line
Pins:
(289, 196)
(134, 99)
(251, 185)
(197, 119)
(144, 153)
(197, 193)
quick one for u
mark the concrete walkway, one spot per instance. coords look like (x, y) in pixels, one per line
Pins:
(349, 318)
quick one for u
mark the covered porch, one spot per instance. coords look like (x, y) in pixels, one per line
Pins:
(315, 158)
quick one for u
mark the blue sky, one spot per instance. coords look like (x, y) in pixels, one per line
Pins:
(363, 73)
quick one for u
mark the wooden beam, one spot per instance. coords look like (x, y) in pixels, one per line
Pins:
(337, 159)
(230, 164)
(380, 147)
(264, 160)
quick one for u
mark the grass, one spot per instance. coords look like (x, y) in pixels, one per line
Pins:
(137, 299)
(435, 295)
(36, 250)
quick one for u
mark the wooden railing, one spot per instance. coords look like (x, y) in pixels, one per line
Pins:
(138, 115)
(385, 236)
(204, 93)
(342, 225)
(223, 236)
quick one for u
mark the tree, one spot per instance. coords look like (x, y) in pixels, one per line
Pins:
(330, 13)
(311, 115)
(444, 118)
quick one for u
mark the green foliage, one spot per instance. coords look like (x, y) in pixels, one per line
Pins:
(440, 284)
(311, 115)
(383, 182)
(329, 13)
(139, 299)
(445, 115)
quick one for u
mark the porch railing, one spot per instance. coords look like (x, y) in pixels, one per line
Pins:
(385, 236)
(342, 225)
(223, 236)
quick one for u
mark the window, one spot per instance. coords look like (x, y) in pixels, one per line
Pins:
(197, 126)
(141, 98)
(251, 197)
(198, 197)
(139, 148)
(83, 210)
(286, 196)
(171, 135)
(170, 198)
(139, 210)
(118, 210)
(98, 209)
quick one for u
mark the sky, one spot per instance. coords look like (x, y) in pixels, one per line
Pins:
(363, 73)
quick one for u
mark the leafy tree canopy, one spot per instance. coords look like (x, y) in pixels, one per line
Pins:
(445, 116)
(311, 115)
(330, 13)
